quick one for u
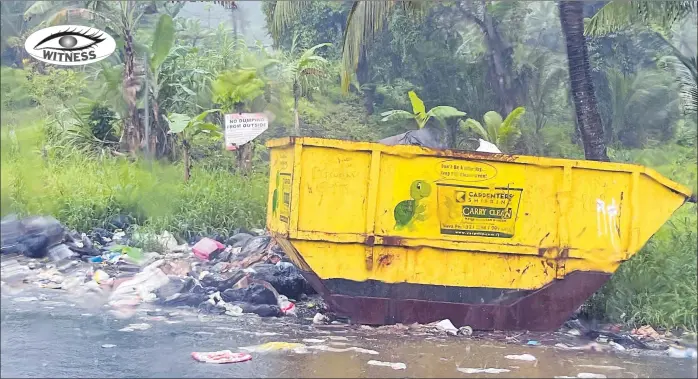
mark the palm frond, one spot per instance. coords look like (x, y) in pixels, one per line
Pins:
(283, 14)
(366, 19)
(620, 14)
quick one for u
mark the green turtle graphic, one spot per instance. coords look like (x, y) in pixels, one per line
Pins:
(407, 211)
(275, 196)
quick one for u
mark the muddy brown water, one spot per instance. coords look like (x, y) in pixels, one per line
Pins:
(54, 336)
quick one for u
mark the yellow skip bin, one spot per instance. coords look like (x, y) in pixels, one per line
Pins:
(408, 234)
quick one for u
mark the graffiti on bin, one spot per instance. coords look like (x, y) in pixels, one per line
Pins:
(607, 221)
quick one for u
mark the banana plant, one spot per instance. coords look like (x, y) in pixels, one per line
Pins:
(419, 113)
(187, 128)
(501, 132)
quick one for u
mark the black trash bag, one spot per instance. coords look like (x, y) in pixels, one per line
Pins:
(119, 222)
(254, 294)
(255, 245)
(222, 257)
(429, 136)
(218, 237)
(100, 236)
(286, 279)
(222, 281)
(34, 246)
(175, 285)
(10, 232)
(184, 299)
(238, 239)
(262, 310)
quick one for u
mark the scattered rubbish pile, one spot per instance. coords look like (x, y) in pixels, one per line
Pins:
(244, 273)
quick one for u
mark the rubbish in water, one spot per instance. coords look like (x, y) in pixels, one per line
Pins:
(616, 346)
(273, 346)
(223, 356)
(465, 331)
(97, 259)
(533, 343)
(338, 338)
(602, 367)
(319, 318)
(574, 332)
(342, 350)
(313, 340)
(681, 352)
(287, 307)
(132, 327)
(25, 299)
(466, 370)
(108, 346)
(590, 375)
(522, 357)
(393, 365)
(446, 326)
(592, 346)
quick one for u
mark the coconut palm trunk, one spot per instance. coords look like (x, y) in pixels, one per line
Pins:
(130, 138)
(586, 109)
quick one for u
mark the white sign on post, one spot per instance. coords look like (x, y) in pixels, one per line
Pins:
(241, 128)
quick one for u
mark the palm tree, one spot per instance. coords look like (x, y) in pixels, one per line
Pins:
(122, 17)
(300, 71)
(586, 108)
(640, 103)
(366, 19)
(659, 17)
(502, 132)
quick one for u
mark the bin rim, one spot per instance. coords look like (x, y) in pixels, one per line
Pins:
(412, 150)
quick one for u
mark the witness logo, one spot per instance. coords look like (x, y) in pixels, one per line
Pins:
(70, 45)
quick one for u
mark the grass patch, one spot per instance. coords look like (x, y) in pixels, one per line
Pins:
(83, 193)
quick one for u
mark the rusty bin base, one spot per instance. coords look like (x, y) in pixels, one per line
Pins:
(545, 309)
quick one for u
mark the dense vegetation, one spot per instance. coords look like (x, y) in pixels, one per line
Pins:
(74, 143)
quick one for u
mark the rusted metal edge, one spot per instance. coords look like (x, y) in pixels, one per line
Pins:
(545, 309)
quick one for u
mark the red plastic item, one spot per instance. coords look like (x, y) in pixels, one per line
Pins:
(223, 356)
(205, 247)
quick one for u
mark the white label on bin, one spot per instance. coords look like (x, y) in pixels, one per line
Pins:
(241, 128)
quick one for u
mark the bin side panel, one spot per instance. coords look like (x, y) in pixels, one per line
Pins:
(280, 179)
(333, 190)
(426, 266)
(497, 203)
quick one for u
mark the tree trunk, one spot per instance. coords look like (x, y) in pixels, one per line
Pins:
(131, 136)
(187, 163)
(244, 155)
(500, 65)
(586, 109)
(296, 120)
(362, 76)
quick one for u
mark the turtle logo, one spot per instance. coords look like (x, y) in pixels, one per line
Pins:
(407, 212)
(70, 45)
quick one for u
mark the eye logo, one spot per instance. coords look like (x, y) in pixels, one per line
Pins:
(70, 45)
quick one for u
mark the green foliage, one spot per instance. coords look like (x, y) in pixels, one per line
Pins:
(190, 127)
(419, 113)
(235, 88)
(619, 14)
(162, 41)
(84, 192)
(504, 133)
